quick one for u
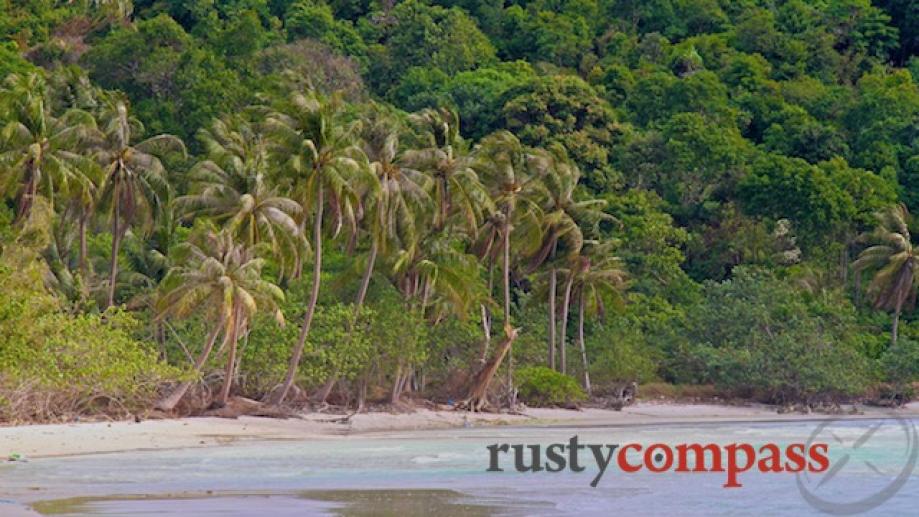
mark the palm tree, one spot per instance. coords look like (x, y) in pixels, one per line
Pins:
(564, 216)
(510, 172)
(456, 187)
(134, 178)
(231, 187)
(327, 168)
(894, 260)
(39, 153)
(597, 276)
(222, 279)
(398, 195)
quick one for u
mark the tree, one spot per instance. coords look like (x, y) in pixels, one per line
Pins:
(40, 153)
(320, 152)
(510, 172)
(893, 259)
(232, 188)
(223, 279)
(457, 189)
(134, 179)
(563, 216)
(597, 277)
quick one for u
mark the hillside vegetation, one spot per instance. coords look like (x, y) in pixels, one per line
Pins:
(360, 201)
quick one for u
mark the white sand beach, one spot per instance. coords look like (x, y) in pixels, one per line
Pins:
(36, 441)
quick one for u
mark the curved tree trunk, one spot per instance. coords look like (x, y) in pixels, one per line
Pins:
(84, 269)
(566, 305)
(326, 389)
(553, 281)
(279, 395)
(584, 363)
(476, 398)
(231, 360)
(116, 245)
(168, 403)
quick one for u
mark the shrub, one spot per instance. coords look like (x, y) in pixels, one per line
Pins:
(541, 386)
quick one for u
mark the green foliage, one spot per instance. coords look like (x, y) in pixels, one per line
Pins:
(55, 364)
(541, 386)
(758, 336)
(719, 136)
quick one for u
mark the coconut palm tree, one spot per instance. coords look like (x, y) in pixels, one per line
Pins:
(222, 279)
(894, 260)
(564, 218)
(396, 198)
(597, 277)
(134, 180)
(232, 188)
(40, 153)
(327, 168)
(457, 189)
(510, 172)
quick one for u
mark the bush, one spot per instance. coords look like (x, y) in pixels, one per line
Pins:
(541, 386)
(755, 335)
(54, 364)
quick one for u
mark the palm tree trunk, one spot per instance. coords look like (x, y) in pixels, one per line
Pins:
(279, 395)
(566, 305)
(895, 325)
(168, 403)
(476, 398)
(486, 330)
(326, 389)
(116, 244)
(231, 360)
(553, 281)
(83, 247)
(368, 274)
(584, 362)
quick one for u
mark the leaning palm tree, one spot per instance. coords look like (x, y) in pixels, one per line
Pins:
(510, 171)
(319, 150)
(894, 260)
(40, 153)
(221, 279)
(232, 188)
(134, 181)
(597, 277)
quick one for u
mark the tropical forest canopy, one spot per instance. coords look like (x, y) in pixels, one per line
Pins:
(356, 200)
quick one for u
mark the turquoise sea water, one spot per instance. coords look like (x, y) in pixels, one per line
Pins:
(444, 472)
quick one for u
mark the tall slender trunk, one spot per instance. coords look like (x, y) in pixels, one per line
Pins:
(279, 395)
(486, 330)
(553, 281)
(168, 403)
(326, 389)
(116, 245)
(83, 246)
(231, 360)
(584, 363)
(368, 275)
(566, 304)
(476, 398)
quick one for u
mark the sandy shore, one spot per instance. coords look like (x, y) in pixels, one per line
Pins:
(101, 437)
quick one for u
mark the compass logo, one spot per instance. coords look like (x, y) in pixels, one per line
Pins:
(892, 437)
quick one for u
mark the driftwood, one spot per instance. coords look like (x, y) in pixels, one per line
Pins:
(621, 396)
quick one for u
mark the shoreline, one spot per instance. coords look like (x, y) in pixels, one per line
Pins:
(88, 438)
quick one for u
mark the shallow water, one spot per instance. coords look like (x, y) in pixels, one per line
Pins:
(444, 472)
